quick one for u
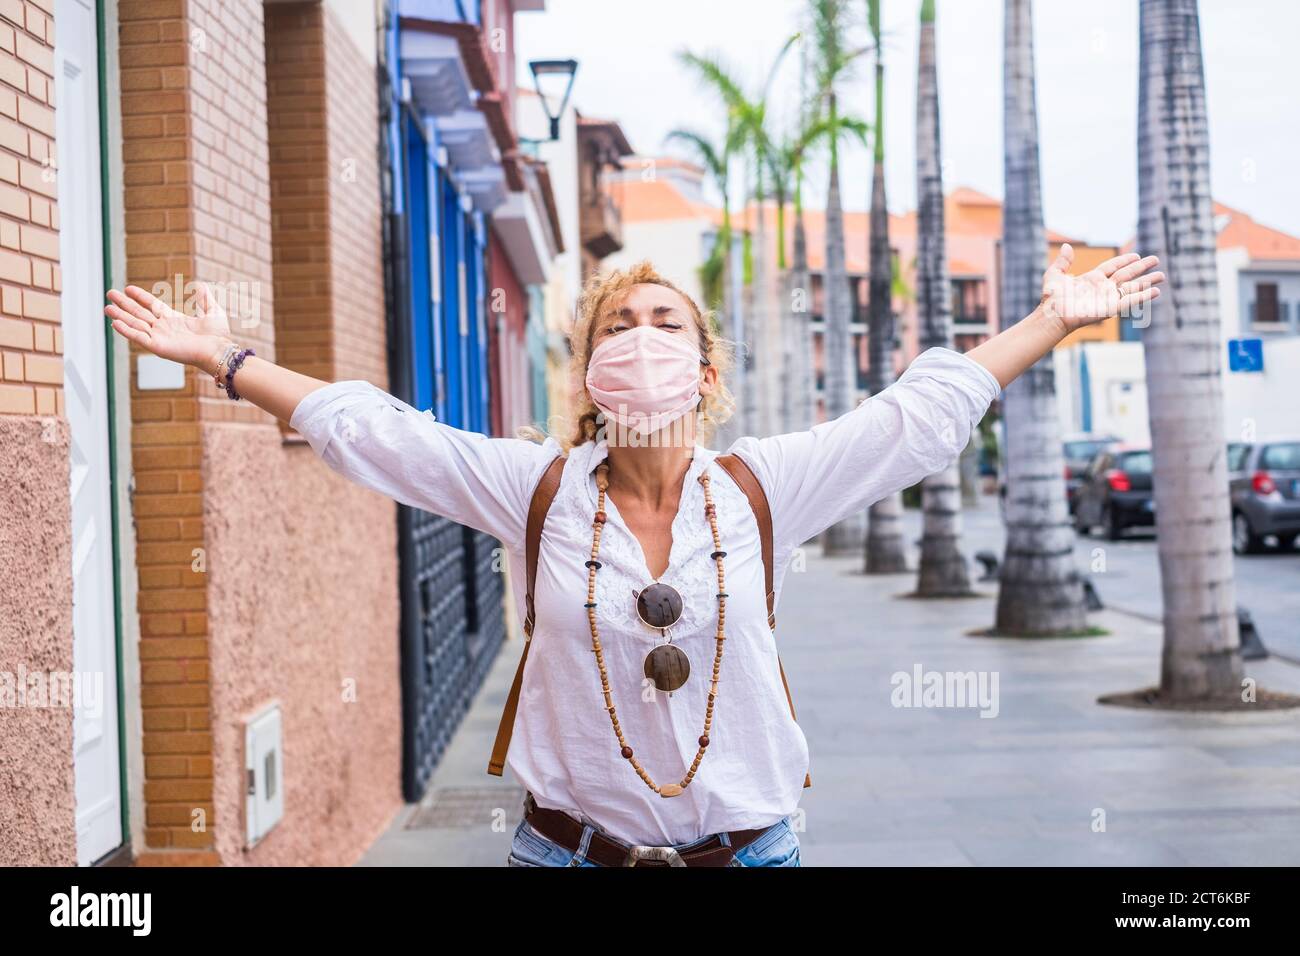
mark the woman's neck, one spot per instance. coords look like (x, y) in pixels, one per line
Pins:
(651, 471)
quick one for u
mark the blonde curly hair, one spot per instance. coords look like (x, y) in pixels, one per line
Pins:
(603, 291)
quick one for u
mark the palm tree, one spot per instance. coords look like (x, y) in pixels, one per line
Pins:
(943, 568)
(748, 117)
(830, 26)
(787, 166)
(1201, 656)
(716, 160)
(1040, 590)
(884, 546)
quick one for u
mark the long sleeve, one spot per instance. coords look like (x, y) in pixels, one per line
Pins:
(382, 443)
(914, 428)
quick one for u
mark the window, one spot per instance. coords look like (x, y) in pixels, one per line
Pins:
(1135, 462)
(1266, 311)
(970, 301)
(1237, 455)
(1283, 457)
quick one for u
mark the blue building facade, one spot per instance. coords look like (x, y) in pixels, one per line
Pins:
(446, 151)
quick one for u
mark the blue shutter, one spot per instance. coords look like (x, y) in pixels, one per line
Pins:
(418, 226)
(453, 347)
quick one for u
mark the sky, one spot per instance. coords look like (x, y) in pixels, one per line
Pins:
(1086, 60)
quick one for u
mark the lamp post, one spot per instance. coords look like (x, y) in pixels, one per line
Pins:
(553, 68)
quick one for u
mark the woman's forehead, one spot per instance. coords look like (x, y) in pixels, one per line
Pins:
(645, 296)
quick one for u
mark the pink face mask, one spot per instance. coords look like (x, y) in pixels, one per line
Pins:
(645, 378)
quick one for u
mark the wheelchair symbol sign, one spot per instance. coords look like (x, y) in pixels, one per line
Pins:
(1245, 355)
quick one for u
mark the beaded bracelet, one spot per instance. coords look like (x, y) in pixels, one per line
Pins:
(219, 377)
(236, 364)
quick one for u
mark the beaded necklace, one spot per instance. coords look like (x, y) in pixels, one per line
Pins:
(593, 565)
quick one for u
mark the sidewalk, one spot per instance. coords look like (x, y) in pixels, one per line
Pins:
(896, 786)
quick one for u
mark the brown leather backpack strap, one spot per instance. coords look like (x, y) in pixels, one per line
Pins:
(744, 477)
(543, 495)
(748, 482)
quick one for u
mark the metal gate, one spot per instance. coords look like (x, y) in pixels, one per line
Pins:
(452, 627)
(450, 583)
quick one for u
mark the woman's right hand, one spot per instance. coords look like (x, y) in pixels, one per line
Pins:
(156, 327)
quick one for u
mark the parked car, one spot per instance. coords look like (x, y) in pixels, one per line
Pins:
(1115, 492)
(1265, 493)
(1079, 451)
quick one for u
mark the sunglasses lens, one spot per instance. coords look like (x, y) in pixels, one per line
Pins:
(659, 605)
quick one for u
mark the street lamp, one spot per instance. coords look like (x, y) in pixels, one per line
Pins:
(553, 68)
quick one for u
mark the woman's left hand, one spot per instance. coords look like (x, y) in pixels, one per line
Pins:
(1115, 287)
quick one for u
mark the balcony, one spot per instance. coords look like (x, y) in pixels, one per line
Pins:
(971, 315)
(600, 223)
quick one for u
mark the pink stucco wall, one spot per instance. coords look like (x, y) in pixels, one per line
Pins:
(303, 598)
(37, 797)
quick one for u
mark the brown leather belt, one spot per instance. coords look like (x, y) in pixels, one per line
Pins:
(558, 827)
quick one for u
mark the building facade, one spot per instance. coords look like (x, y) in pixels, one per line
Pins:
(213, 650)
(1258, 271)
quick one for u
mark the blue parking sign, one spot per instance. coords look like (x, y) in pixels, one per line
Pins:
(1245, 355)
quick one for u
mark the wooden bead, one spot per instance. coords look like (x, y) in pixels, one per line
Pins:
(600, 517)
(704, 740)
(627, 753)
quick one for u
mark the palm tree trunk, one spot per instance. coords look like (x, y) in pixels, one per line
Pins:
(847, 536)
(1201, 656)
(943, 570)
(748, 404)
(884, 546)
(1040, 591)
(731, 429)
(767, 364)
(799, 407)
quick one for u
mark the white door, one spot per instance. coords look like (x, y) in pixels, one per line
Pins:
(85, 386)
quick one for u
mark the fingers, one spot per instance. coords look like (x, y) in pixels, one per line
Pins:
(1134, 269)
(1142, 282)
(1111, 265)
(126, 318)
(155, 306)
(131, 333)
(131, 306)
(1130, 302)
(1063, 259)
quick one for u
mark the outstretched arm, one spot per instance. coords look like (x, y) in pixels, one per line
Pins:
(200, 340)
(920, 424)
(1115, 287)
(360, 431)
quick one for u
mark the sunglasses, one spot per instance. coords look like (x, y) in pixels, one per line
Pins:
(659, 606)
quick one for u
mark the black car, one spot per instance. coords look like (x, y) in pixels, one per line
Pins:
(1115, 492)
(1079, 452)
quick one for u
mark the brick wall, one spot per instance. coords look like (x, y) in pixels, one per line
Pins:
(231, 178)
(37, 796)
(295, 80)
(158, 171)
(324, 197)
(356, 221)
(31, 340)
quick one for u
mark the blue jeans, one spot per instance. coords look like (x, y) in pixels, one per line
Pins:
(778, 845)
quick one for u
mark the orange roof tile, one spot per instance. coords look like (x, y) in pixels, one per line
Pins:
(641, 201)
(1260, 242)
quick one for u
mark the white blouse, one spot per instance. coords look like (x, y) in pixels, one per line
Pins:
(564, 749)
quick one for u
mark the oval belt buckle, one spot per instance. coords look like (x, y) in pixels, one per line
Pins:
(661, 853)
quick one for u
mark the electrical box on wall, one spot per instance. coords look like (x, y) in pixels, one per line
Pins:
(265, 769)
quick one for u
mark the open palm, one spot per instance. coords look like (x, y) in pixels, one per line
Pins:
(1115, 287)
(158, 328)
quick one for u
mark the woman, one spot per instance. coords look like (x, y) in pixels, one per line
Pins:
(649, 568)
